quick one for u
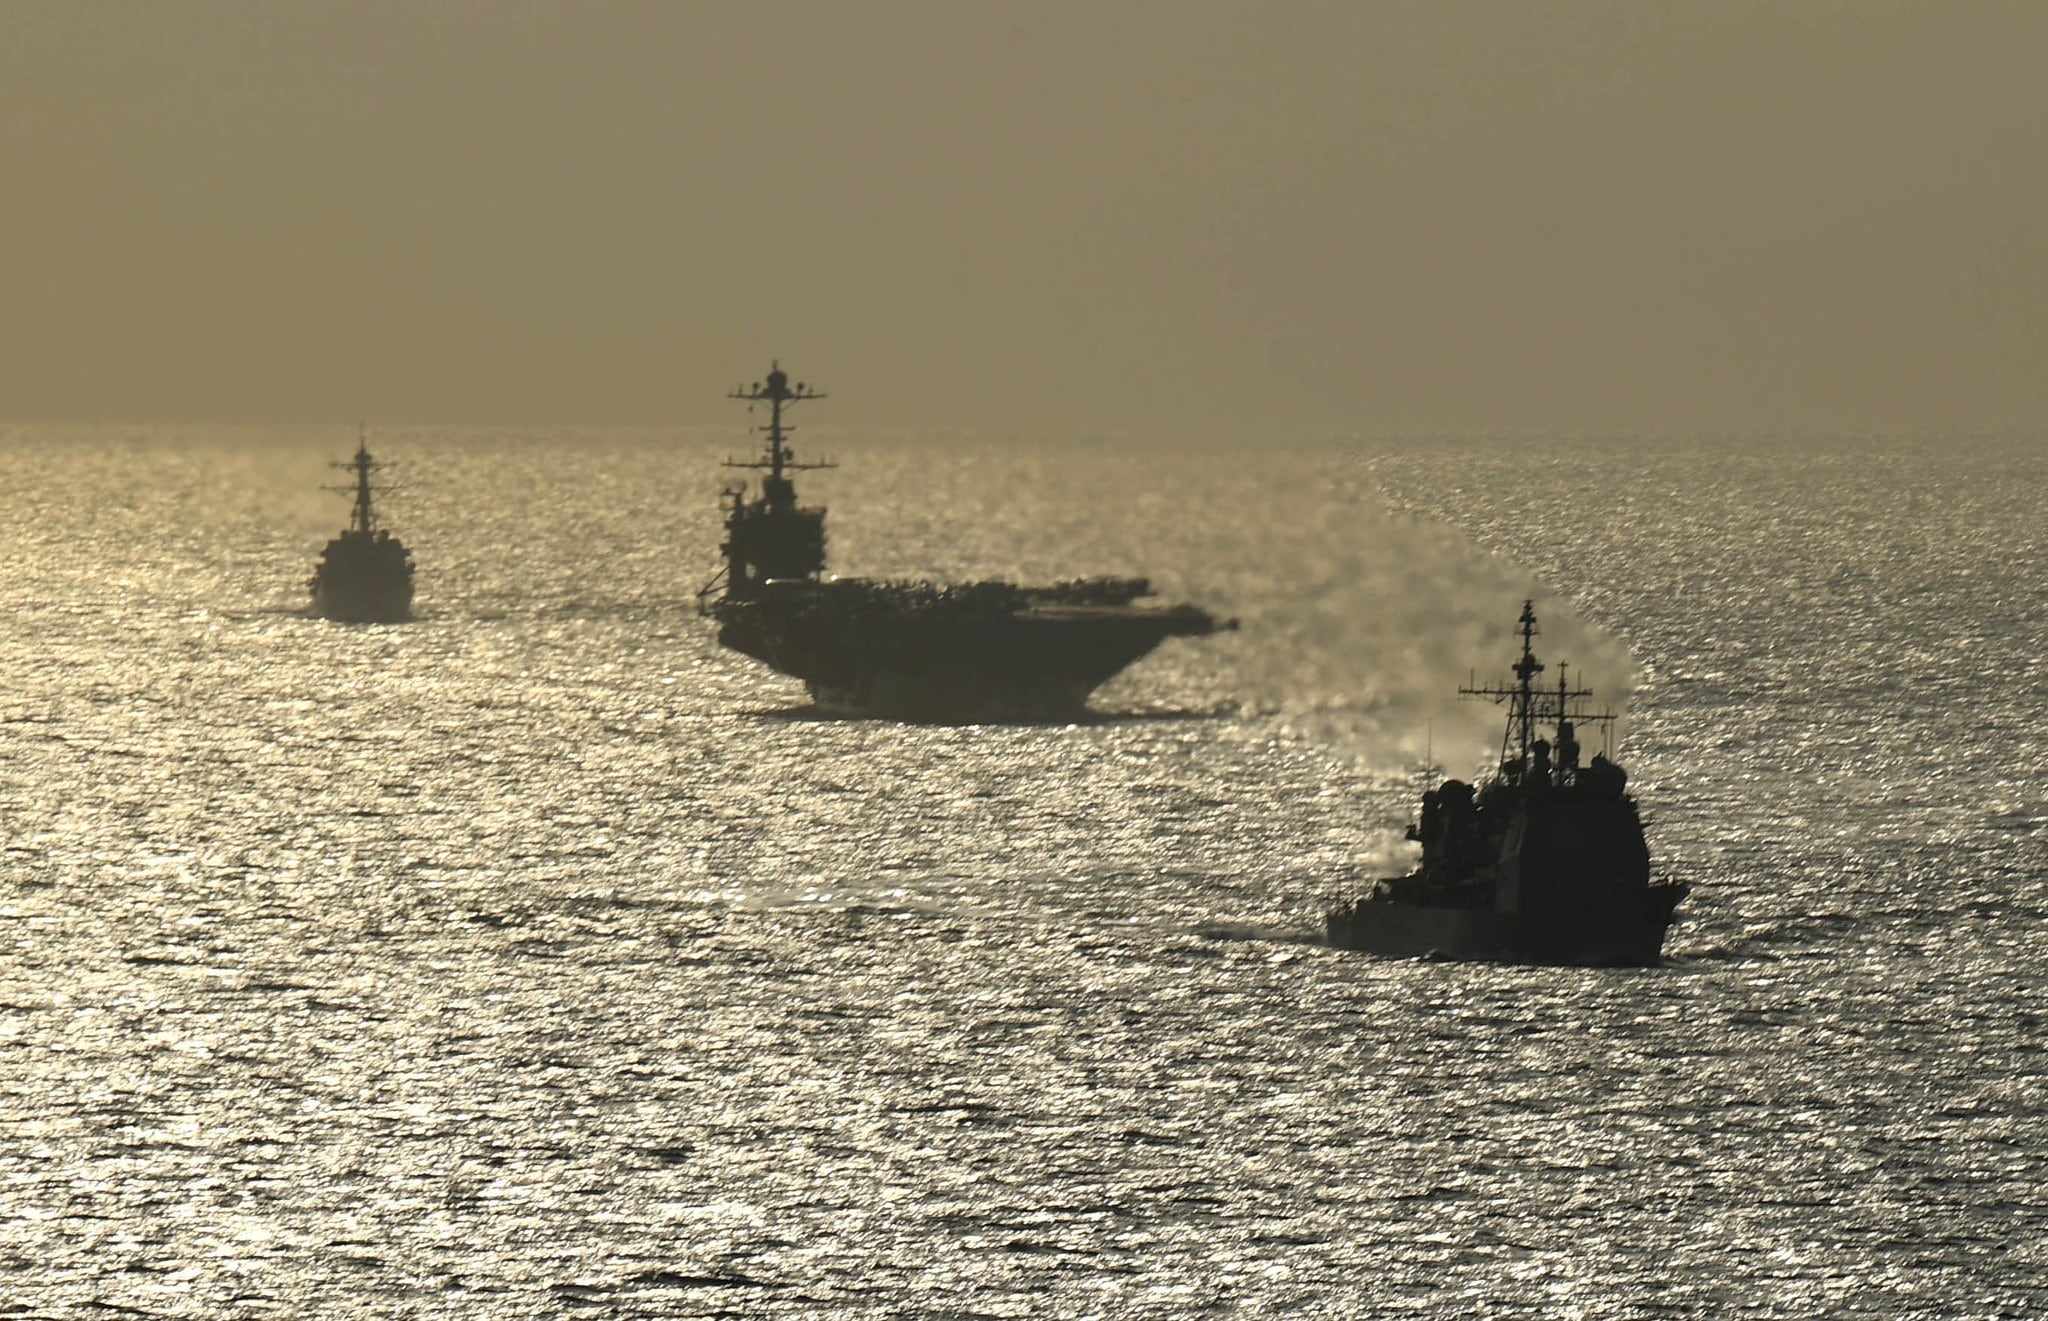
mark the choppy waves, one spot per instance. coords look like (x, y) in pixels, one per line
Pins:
(531, 959)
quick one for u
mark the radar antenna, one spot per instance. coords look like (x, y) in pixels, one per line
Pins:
(362, 518)
(778, 394)
(1526, 705)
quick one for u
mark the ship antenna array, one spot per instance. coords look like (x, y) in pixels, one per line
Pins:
(778, 394)
(363, 518)
(1527, 704)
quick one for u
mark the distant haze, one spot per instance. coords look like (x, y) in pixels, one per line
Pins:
(1286, 217)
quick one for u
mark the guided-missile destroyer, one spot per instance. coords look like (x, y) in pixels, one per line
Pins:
(365, 574)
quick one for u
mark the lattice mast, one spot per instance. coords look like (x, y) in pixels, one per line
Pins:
(1529, 706)
(770, 538)
(776, 489)
(363, 515)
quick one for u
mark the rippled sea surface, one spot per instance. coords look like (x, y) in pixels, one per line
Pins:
(537, 959)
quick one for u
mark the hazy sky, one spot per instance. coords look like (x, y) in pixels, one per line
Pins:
(1316, 217)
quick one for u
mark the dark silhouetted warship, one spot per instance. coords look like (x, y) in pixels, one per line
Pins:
(364, 575)
(1544, 863)
(980, 652)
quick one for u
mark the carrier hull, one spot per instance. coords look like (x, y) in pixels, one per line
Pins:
(956, 667)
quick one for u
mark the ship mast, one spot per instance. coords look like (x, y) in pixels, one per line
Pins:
(769, 538)
(1525, 708)
(1522, 716)
(362, 518)
(776, 489)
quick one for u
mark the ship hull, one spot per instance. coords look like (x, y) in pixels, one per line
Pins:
(1628, 936)
(361, 602)
(363, 579)
(1028, 666)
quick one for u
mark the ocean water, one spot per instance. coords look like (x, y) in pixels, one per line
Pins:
(537, 959)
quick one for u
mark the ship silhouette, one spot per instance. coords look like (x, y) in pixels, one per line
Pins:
(978, 652)
(364, 575)
(1544, 862)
